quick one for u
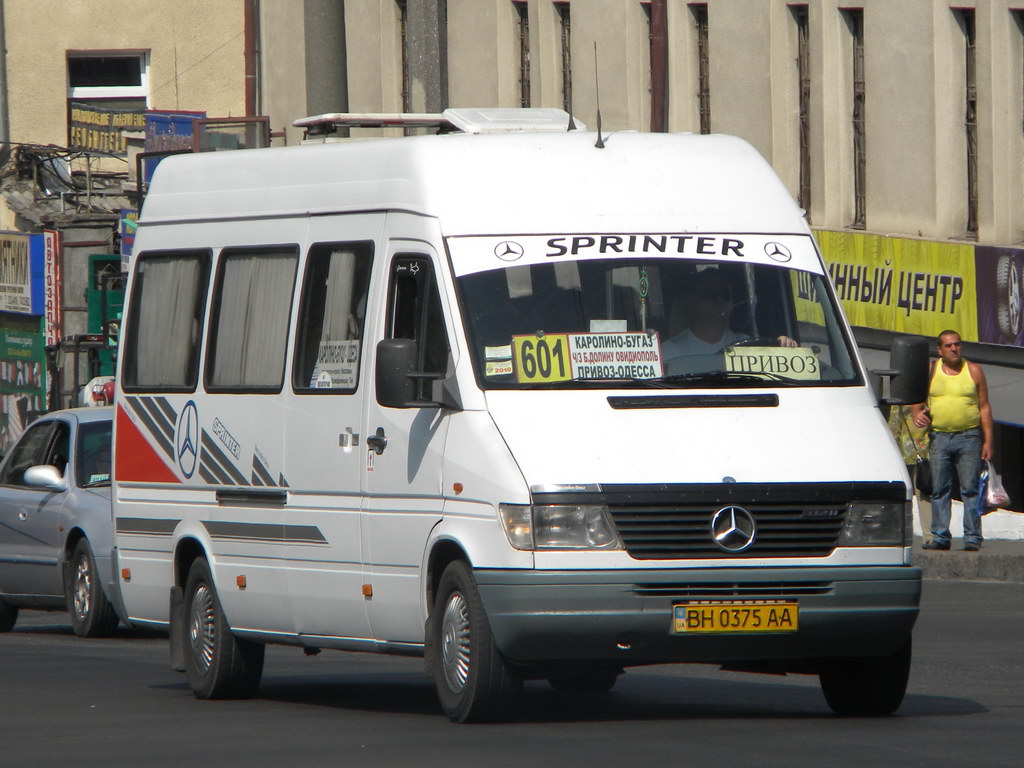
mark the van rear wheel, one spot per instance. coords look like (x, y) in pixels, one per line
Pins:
(474, 683)
(218, 664)
(866, 687)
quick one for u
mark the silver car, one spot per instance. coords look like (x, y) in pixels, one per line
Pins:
(55, 521)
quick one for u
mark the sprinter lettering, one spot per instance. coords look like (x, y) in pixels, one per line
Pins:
(636, 244)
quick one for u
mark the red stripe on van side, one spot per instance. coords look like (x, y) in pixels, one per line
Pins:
(135, 458)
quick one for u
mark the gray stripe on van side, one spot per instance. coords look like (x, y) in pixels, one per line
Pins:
(146, 526)
(165, 405)
(209, 476)
(269, 532)
(260, 474)
(219, 461)
(166, 445)
(159, 416)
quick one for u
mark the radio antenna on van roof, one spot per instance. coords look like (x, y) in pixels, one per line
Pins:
(597, 88)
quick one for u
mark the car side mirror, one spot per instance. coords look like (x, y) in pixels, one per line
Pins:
(45, 476)
(907, 374)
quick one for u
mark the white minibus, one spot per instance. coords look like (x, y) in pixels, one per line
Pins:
(528, 401)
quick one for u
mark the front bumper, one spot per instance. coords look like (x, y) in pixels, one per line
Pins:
(626, 616)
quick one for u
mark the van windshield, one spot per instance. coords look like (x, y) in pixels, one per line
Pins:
(671, 323)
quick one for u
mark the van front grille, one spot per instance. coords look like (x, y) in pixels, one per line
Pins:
(672, 521)
(668, 532)
(729, 590)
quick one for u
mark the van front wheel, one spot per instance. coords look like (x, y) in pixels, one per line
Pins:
(218, 664)
(474, 684)
(866, 687)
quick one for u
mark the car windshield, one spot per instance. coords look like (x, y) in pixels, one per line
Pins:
(661, 322)
(93, 463)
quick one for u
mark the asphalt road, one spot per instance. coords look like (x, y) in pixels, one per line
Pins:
(114, 702)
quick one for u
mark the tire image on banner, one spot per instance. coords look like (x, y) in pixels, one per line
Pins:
(1000, 295)
(1008, 296)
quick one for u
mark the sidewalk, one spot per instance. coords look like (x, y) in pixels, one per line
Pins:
(1001, 557)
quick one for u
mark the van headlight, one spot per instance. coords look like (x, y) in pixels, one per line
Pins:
(882, 524)
(559, 526)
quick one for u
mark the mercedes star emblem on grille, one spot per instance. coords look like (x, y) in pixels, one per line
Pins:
(733, 529)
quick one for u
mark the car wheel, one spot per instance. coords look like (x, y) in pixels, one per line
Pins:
(8, 616)
(474, 683)
(866, 686)
(218, 664)
(92, 615)
(587, 679)
(1008, 297)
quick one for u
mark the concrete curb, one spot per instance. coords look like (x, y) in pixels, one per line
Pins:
(1001, 557)
(998, 560)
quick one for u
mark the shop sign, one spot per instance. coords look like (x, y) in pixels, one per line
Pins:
(51, 286)
(94, 129)
(15, 274)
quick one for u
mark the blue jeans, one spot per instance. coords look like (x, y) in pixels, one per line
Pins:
(958, 452)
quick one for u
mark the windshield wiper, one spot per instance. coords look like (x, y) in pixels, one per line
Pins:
(94, 483)
(714, 377)
(673, 380)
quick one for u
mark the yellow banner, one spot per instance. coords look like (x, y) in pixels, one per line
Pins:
(908, 286)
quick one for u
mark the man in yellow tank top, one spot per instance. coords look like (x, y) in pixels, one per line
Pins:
(960, 418)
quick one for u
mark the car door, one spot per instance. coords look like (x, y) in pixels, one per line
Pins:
(405, 446)
(30, 516)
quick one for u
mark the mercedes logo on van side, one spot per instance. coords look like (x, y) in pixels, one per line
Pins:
(733, 529)
(508, 250)
(186, 439)
(777, 251)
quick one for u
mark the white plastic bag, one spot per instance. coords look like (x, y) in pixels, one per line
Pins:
(996, 496)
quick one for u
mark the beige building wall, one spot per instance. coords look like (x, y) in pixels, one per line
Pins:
(374, 48)
(195, 52)
(282, 95)
(916, 161)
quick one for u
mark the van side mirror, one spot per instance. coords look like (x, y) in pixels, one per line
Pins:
(398, 378)
(396, 360)
(907, 373)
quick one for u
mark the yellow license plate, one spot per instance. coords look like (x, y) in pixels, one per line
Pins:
(735, 617)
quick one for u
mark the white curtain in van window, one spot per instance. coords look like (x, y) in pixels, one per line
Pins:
(252, 327)
(338, 301)
(167, 328)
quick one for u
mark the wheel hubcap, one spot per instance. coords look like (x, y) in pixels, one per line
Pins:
(455, 642)
(1015, 299)
(83, 584)
(201, 627)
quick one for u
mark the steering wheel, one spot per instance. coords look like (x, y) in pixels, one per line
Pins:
(757, 341)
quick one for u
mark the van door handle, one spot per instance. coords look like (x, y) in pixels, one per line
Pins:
(378, 442)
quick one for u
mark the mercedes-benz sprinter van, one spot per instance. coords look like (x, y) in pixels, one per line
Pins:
(529, 402)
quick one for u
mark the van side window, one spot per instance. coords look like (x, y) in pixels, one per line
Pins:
(166, 321)
(249, 321)
(330, 329)
(414, 312)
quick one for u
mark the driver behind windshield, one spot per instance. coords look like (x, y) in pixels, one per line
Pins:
(707, 301)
